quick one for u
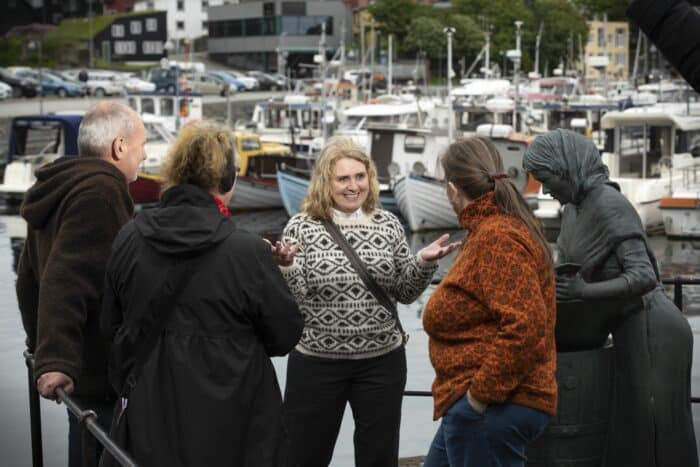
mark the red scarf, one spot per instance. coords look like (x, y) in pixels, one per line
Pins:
(222, 207)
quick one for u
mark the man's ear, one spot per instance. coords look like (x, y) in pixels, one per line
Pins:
(118, 148)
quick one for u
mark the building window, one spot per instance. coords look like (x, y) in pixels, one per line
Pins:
(205, 25)
(620, 37)
(268, 9)
(620, 58)
(151, 25)
(117, 30)
(205, 4)
(293, 8)
(180, 25)
(180, 5)
(601, 38)
(124, 47)
(252, 27)
(152, 47)
(150, 5)
(306, 25)
(135, 27)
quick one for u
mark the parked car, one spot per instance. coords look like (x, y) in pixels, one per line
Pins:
(100, 83)
(21, 87)
(204, 83)
(249, 82)
(134, 84)
(267, 81)
(164, 79)
(60, 75)
(228, 79)
(5, 90)
(53, 85)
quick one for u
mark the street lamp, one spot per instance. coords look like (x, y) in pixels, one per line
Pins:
(36, 45)
(450, 73)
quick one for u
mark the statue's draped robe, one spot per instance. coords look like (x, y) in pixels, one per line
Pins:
(651, 422)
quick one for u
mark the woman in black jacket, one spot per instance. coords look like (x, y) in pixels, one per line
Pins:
(207, 393)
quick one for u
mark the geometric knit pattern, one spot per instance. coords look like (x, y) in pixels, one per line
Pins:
(491, 320)
(342, 319)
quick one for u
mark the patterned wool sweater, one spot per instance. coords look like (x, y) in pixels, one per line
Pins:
(342, 319)
(491, 319)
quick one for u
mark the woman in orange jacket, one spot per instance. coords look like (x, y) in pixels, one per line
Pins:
(491, 320)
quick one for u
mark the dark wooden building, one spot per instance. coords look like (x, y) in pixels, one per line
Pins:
(133, 38)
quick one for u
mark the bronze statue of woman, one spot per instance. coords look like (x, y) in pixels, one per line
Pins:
(651, 422)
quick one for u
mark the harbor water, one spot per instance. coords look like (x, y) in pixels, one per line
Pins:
(677, 258)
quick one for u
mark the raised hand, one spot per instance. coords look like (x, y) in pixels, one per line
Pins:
(283, 252)
(437, 250)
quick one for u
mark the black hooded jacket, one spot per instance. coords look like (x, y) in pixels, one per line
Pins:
(207, 394)
(73, 212)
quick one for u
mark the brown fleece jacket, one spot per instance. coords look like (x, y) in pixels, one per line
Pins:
(73, 212)
(491, 319)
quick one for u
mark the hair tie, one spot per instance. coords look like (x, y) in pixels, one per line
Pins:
(499, 175)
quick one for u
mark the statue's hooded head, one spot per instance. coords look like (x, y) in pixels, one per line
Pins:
(566, 163)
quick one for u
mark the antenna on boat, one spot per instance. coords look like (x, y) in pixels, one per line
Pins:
(449, 31)
(538, 39)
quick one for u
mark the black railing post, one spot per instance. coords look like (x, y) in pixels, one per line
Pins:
(34, 414)
(678, 292)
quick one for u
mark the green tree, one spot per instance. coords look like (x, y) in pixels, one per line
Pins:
(563, 24)
(394, 16)
(468, 39)
(425, 34)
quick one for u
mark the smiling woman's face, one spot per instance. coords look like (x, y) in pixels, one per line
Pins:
(554, 185)
(350, 185)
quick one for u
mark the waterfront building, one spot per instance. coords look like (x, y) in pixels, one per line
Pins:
(263, 35)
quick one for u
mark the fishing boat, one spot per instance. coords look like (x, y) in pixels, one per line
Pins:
(256, 183)
(642, 144)
(681, 209)
(174, 110)
(36, 140)
(422, 198)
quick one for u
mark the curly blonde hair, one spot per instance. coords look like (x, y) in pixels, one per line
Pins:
(199, 156)
(319, 198)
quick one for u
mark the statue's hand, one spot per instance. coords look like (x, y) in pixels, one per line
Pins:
(570, 287)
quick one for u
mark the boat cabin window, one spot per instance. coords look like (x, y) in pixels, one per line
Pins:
(250, 144)
(167, 107)
(134, 104)
(414, 143)
(148, 106)
(639, 142)
(469, 121)
(38, 137)
(688, 141)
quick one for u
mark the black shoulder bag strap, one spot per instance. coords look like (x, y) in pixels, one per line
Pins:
(371, 284)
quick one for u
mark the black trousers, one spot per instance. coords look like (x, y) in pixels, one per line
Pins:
(316, 393)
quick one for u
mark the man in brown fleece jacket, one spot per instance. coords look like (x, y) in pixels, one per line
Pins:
(73, 213)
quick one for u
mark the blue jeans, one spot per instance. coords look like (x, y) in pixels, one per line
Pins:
(496, 438)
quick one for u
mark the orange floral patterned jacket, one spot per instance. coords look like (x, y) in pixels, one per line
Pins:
(491, 319)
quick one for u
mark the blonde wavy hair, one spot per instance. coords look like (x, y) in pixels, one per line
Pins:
(199, 156)
(319, 198)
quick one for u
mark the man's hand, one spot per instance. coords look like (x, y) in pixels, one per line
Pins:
(48, 382)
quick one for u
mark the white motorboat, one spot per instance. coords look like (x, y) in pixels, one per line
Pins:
(641, 144)
(681, 210)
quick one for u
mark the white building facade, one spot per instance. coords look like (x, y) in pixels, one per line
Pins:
(187, 19)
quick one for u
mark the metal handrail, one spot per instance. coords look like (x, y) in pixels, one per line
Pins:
(87, 419)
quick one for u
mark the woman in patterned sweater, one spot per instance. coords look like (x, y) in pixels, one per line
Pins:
(491, 320)
(351, 349)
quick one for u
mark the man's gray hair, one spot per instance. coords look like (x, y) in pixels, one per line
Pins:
(101, 125)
